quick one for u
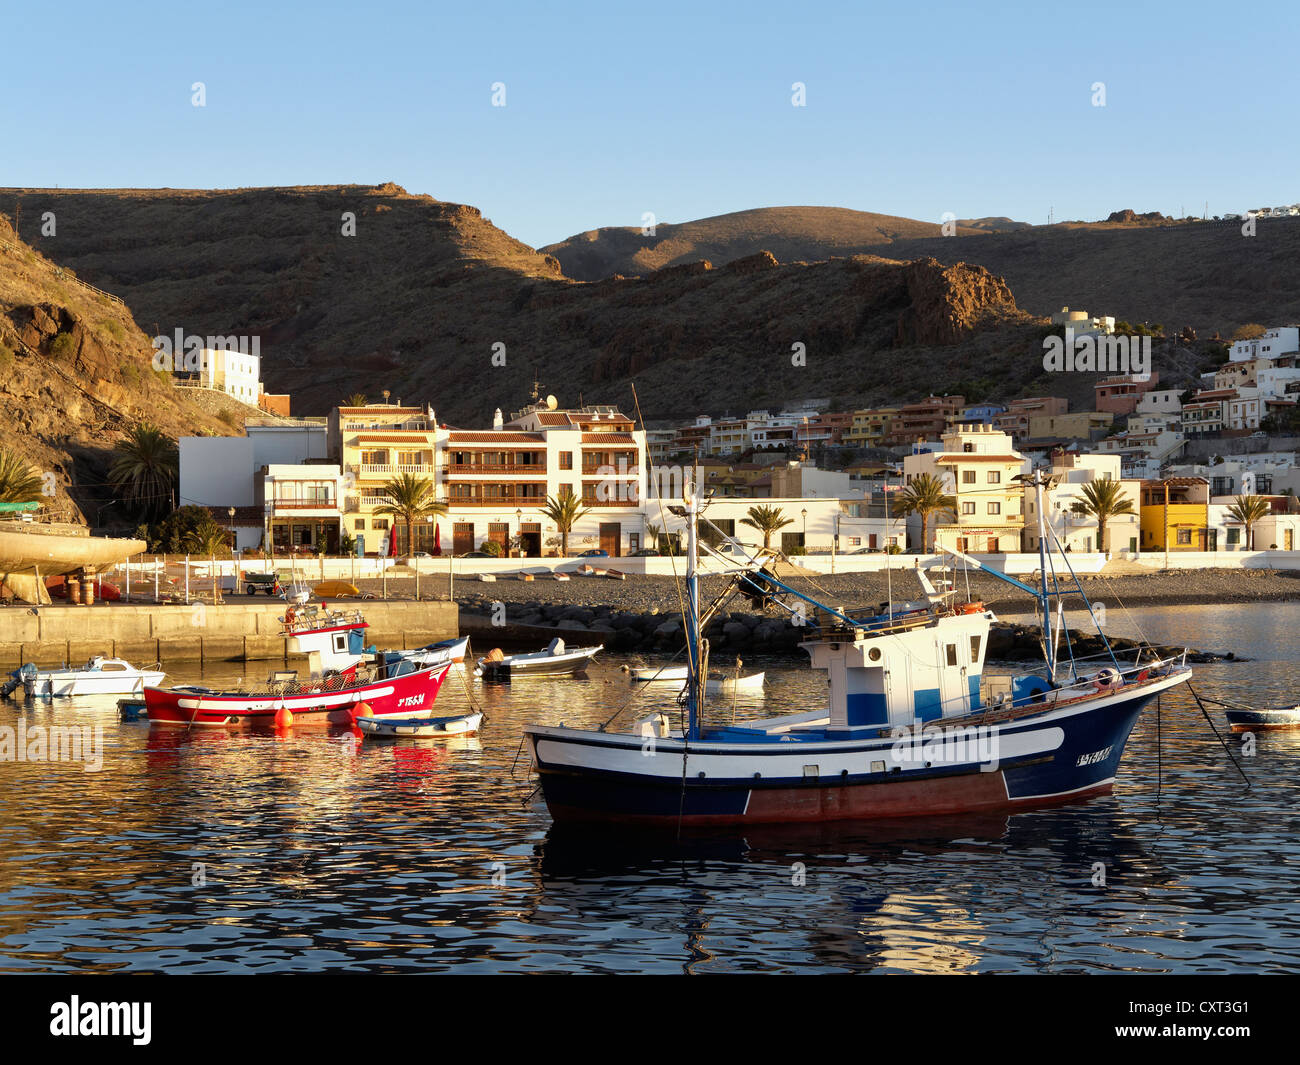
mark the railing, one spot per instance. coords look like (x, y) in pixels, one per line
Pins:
(303, 504)
(63, 275)
(501, 501)
(496, 467)
(372, 468)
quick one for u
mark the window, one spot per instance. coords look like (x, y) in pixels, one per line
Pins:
(968, 448)
(995, 476)
(995, 508)
(359, 524)
(566, 460)
(952, 654)
(1184, 536)
(1234, 537)
(968, 508)
(967, 476)
(974, 650)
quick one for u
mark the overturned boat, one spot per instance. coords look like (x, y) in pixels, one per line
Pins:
(912, 726)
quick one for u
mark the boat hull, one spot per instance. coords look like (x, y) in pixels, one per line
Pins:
(420, 728)
(410, 695)
(1263, 720)
(1063, 755)
(56, 686)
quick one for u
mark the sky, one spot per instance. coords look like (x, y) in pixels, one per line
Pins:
(680, 110)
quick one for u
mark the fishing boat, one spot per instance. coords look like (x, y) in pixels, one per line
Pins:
(652, 675)
(343, 682)
(1246, 719)
(556, 661)
(99, 676)
(394, 727)
(912, 725)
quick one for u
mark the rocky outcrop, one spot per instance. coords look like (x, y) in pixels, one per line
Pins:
(1129, 216)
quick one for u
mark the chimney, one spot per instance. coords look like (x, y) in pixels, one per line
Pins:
(497, 421)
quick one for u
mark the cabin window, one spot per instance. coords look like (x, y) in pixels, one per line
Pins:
(340, 642)
(952, 654)
(974, 650)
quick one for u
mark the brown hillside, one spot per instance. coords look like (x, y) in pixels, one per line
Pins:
(416, 301)
(75, 372)
(792, 234)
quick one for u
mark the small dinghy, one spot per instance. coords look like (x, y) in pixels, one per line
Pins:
(739, 685)
(653, 674)
(435, 654)
(556, 661)
(131, 708)
(99, 676)
(1245, 719)
(419, 727)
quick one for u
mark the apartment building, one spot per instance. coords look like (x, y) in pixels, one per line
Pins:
(1121, 395)
(870, 427)
(1175, 515)
(301, 506)
(1206, 412)
(1014, 421)
(978, 466)
(1071, 472)
(1273, 344)
(926, 420)
(1079, 425)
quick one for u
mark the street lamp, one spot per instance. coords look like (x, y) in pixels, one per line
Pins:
(804, 512)
(519, 520)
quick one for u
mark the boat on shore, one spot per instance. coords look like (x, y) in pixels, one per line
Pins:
(344, 682)
(99, 676)
(912, 725)
(556, 661)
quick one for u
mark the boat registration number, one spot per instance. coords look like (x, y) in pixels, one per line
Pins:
(411, 700)
(1094, 757)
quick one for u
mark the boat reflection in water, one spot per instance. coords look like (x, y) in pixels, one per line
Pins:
(859, 897)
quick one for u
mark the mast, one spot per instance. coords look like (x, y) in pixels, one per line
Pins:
(694, 670)
(1044, 602)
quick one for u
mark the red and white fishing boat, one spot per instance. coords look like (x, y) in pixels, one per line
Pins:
(343, 682)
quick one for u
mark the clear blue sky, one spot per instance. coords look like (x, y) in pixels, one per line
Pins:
(679, 109)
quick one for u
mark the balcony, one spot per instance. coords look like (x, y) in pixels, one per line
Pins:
(510, 502)
(472, 468)
(391, 469)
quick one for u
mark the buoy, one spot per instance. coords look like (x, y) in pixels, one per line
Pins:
(363, 710)
(283, 717)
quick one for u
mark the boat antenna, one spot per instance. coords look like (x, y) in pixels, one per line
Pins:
(694, 645)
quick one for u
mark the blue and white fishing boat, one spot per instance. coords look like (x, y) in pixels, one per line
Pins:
(912, 726)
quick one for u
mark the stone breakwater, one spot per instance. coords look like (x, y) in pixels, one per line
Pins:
(489, 622)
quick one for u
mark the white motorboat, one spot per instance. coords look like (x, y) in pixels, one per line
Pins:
(419, 727)
(436, 654)
(739, 685)
(556, 661)
(657, 674)
(99, 676)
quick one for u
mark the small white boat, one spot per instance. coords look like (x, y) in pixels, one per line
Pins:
(396, 728)
(556, 661)
(437, 654)
(99, 676)
(654, 674)
(741, 685)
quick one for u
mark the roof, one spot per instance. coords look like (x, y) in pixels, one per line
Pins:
(380, 408)
(1176, 482)
(471, 437)
(389, 438)
(608, 438)
(975, 456)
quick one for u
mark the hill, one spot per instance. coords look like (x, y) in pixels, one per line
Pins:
(75, 373)
(792, 234)
(421, 297)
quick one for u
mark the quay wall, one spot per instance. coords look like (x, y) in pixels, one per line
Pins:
(201, 632)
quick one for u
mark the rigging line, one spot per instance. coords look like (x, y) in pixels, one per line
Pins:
(677, 584)
(1197, 696)
(637, 694)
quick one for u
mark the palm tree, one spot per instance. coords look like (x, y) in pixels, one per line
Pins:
(925, 496)
(410, 497)
(652, 535)
(145, 469)
(1102, 500)
(565, 512)
(19, 483)
(357, 399)
(767, 520)
(209, 540)
(1248, 510)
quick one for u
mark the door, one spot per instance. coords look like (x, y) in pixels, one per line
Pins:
(499, 533)
(1288, 539)
(531, 535)
(611, 538)
(462, 537)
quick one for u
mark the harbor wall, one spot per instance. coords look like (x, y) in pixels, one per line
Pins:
(235, 632)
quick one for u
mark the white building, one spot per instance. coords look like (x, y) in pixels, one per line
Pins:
(1084, 324)
(1076, 531)
(232, 372)
(1273, 344)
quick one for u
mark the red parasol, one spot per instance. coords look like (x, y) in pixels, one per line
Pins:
(392, 541)
(437, 539)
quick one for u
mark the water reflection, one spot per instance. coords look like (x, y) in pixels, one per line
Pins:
(205, 851)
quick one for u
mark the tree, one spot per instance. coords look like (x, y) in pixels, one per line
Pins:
(187, 530)
(19, 482)
(564, 511)
(410, 498)
(357, 399)
(1102, 500)
(925, 496)
(1248, 510)
(144, 470)
(767, 520)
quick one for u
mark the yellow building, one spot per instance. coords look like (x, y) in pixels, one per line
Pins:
(1176, 515)
(978, 467)
(870, 427)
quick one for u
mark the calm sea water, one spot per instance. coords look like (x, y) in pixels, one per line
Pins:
(201, 852)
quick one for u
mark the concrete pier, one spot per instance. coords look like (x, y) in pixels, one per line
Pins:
(201, 632)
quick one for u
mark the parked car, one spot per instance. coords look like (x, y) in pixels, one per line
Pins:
(645, 552)
(595, 552)
(475, 554)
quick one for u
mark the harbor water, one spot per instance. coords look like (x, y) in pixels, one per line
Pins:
(207, 852)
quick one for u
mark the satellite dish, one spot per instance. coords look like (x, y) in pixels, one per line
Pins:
(552, 402)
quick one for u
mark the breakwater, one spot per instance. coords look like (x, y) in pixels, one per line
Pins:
(200, 632)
